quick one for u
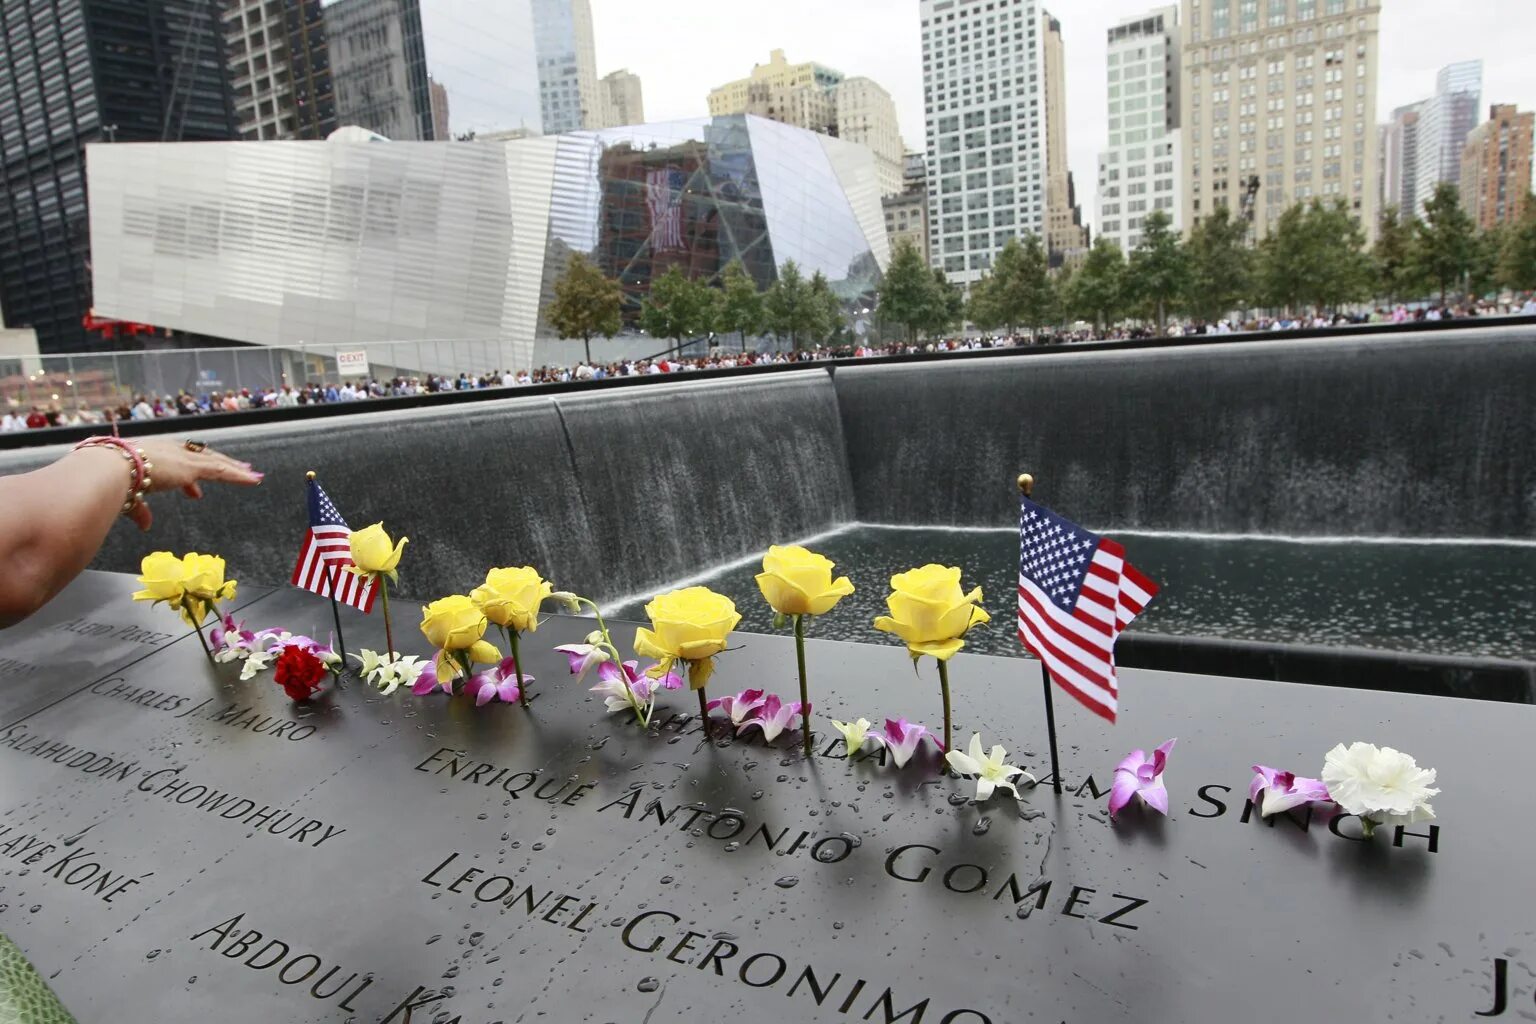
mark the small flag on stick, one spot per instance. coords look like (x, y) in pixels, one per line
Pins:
(1077, 594)
(326, 553)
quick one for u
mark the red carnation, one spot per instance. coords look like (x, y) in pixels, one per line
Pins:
(299, 673)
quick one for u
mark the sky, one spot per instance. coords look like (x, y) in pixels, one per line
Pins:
(680, 57)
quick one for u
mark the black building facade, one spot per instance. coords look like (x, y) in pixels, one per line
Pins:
(75, 72)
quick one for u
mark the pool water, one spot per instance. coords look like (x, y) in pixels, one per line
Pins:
(1455, 598)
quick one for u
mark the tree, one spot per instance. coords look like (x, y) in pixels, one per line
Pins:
(825, 311)
(585, 303)
(948, 304)
(788, 307)
(1483, 271)
(1517, 260)
(909, 293)
(1443, 241)
(1096, 293)
(1392, 254)
(1220, 275)
(738, 304)
(1314, 253)
(1024, 291)
(677, 307)
(1158, 267)
(1337, 269)
(982, 307)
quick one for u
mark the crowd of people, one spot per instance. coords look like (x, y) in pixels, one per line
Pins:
(18, 415)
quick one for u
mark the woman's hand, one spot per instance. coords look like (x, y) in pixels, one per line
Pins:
(177, 467)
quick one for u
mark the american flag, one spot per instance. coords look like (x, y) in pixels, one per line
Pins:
(664, 198)
(1077, 593)
(327, 552)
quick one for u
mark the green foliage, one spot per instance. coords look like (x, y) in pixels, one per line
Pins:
(1158, 268)
(1396, 276)
(1220, 277)
(825, 310)
(789, 308)
(1483, 271)
(909, 293)
(1018, 290)
(1444, 242)
(981, 308)
(1096, 293)
(1517, 259)
(585, 304)
(738, 304)
(677, 307)
(1315, 254)
(949, 304)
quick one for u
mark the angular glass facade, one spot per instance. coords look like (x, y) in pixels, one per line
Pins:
(280, 243)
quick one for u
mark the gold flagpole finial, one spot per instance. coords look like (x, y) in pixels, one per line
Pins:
(1026, 483)
(310, 475)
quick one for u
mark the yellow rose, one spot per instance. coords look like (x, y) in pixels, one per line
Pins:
(930, 612)
(454, 624)
(189, 584)
(373, 553)
(691, 625)
(511, 597)
(164, 577)
(795, 581)
(205, 578)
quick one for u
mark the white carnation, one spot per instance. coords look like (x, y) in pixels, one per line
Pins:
(1379, 783)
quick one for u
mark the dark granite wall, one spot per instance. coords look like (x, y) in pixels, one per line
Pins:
(1426, 435)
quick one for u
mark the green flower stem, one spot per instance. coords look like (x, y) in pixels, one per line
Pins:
(517, 665)
(944, 688)
(805, 695)
(389, 636)
(1367, 827)
(198, 629)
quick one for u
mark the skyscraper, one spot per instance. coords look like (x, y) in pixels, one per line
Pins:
(379, 67)
(1066, 240)
(622, 99)
(1496, 166)
(866, 114)
(1278, 107)
(567, 58)
(438, 97)
(279, 69)
(1140, 171)
(983, 104)
(484, 56)
(799, 94)
(77, 72)
(1444, 121)
(1400, 160)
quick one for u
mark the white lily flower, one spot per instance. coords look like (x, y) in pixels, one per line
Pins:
(989, 768)
(855, 733)
(368, 662)
(254, 664)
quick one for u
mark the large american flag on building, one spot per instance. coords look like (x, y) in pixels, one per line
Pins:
(664, 198)
(1076, 594)
(325, 554)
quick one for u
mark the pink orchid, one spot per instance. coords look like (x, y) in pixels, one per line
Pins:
(231, 635)
(772, 716)
(1284, 790)
(1137, 774)
(633, 689)
(496, 682)
(428, 681)
(583, 657)
(902, 738)
(738, 707)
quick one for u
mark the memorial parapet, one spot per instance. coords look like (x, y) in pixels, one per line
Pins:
(245, 858)
(82, 638)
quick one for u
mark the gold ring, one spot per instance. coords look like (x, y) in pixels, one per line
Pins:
(195, 446)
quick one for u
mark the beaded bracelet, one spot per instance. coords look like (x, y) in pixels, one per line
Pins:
(139, 467)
